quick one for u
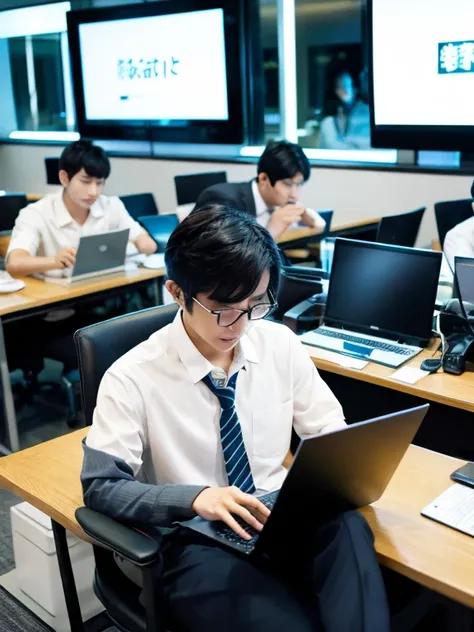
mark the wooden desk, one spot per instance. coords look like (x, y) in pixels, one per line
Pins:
(450, 390)
(39, 297)
(296, 234)
(34, 197)
(47, 476)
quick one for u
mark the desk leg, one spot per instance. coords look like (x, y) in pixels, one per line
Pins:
(8, 403)
(67, 578)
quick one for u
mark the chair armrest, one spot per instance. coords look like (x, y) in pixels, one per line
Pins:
(137, 548)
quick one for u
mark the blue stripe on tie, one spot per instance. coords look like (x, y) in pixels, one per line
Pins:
(232, 436)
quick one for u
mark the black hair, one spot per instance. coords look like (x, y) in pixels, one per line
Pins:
(472, 190)
(84, 155)
(223, 252)
(282, 159)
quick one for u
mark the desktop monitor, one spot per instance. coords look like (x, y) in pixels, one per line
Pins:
(383, 289)
(421, 74)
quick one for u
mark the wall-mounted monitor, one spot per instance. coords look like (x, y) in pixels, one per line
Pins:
(172, 71)
(421, 61)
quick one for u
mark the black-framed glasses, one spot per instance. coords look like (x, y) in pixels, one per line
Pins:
(227, 316)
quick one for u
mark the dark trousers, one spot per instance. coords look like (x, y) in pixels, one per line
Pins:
(331, 584)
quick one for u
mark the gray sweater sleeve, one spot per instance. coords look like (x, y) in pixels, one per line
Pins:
(109, 487)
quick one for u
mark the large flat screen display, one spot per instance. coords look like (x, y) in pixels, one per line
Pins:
(422, 73)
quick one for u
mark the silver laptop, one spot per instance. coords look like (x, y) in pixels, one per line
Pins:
(96, 255)
(380, 302)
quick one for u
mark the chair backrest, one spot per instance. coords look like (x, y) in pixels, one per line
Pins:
(159, 227)
(52, 170)
(190, 187)
(10, 206)
(451, 213)
(99, 346)
(297, 287)
(327, 217)
(140, 204)
(400, 230)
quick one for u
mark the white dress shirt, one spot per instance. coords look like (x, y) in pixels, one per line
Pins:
(154, 412)
(459, 241)
(45, 227)
(263, 213)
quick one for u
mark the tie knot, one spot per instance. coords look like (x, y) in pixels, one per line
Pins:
(225, 394)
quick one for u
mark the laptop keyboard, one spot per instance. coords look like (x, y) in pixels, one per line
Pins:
(223, 531)
(366, 342)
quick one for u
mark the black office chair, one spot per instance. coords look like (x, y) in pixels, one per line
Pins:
(190, 187)
(297, 283)
(52, 170)
(98, 346)
(159, 227)
(400, 230)
(140, 204)
(10, 206)
(451, 213)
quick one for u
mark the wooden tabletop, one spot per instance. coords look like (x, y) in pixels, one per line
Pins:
(47, 476)
(451, 390)
(431, 554)
(360, 223)
(39, 293)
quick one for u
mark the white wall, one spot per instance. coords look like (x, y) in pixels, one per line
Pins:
(352, 193)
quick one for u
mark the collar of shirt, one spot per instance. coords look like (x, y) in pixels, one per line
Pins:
(196, 364)
(63, 216)
(260, 206)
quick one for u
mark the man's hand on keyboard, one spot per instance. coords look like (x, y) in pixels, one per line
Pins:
(220, 503)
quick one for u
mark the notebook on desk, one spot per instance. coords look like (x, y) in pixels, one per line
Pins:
(96, 255)
(380, 302)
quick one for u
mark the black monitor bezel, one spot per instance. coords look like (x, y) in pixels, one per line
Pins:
(241, 65)
(414, 137)
(423, 338)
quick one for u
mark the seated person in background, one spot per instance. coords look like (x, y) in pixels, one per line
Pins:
(272, 198)
(349, 127)
(47, 233)
(459, 241)
(156, 453)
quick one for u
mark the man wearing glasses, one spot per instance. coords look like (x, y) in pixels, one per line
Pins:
(197, 420)
(273, 197)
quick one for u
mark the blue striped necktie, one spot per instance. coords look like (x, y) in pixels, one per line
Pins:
(235, 456)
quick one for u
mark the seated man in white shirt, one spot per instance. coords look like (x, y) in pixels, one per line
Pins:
(459, 241)
(156, 452)
(46, 234)
(273, 197)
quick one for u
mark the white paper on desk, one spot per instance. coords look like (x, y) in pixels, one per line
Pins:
(409, 375)
(342, 360)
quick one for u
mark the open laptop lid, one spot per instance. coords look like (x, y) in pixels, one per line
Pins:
(102, 251)
(383, 290)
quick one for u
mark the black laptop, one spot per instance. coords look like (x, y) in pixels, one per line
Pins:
(331, 473)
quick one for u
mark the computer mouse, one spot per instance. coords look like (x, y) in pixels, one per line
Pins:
(431, 365)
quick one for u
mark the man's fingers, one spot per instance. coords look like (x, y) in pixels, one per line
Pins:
(231, 522)
(245, 514)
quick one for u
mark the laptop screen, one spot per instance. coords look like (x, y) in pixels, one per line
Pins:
(383, 289)
(464, 268)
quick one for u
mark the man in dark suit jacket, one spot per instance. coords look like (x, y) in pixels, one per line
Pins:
(272, 198)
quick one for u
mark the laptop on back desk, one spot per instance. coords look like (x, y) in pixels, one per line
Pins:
(380, 302)
(96, 255)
